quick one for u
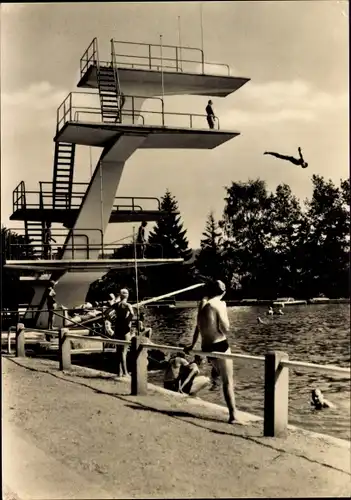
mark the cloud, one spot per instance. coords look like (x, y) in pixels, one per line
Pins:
(279, 101)
(40, 96)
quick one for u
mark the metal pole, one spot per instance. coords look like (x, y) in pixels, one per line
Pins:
(202, 28)
(136, 279)
(101, 202)
(202, 38)
(91, 162)
(180, 45)
(162, 82)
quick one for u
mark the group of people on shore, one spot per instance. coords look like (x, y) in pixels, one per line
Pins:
(181, 374)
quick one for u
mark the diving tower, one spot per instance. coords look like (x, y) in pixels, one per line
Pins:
(123, 111)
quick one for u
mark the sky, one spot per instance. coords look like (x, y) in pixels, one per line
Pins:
(295, 53)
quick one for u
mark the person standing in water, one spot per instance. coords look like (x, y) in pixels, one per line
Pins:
(213, 326)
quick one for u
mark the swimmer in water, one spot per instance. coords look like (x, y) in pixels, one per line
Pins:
(318, 400)
(270, 311)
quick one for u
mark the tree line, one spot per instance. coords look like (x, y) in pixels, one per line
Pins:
(266, 245)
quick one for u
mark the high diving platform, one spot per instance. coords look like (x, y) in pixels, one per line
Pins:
(183, 69)
(122, 109)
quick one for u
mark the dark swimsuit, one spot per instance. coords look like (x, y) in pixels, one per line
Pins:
(221, 346)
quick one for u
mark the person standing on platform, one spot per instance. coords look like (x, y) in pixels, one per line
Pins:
(47, 241)
(51, 304)
(141, 240)
(124, 315)
(210, 115)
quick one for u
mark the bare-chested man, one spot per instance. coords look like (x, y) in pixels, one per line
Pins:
(213, 326)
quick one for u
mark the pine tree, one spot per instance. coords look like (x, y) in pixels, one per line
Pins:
(168, 240)
(168, 236)
(209, 262)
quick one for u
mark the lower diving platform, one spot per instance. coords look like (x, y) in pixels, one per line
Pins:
(85, 265)
(84, 124)
(37, 206)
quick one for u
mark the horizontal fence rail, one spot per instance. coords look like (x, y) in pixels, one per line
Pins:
(276, 366)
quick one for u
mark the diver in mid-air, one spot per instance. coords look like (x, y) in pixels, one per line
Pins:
(300, 162)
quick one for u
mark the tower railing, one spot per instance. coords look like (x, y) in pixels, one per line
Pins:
(90, 57)
(19, 196)
(147, 56)
(22, 199)
(174, 58)
(71, 111)
(16, 250)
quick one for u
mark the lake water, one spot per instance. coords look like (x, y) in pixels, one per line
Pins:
(312, 333)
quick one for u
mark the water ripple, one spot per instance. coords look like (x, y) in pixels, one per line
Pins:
(315, 333)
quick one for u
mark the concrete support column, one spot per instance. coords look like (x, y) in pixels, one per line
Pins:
(139, 367)
(276, 393)
(64, 350)
(20, 341)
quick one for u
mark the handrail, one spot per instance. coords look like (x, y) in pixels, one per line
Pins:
(214, 354)
(98, 112)
(136, 114)
(313, 366)
(72, 234)
(149, 57)
(86, 58)
(77, 195)
(219, 355)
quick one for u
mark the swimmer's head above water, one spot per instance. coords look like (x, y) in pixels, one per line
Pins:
(317, 399)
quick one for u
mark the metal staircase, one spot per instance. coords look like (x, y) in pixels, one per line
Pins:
(34, 237)
(63, 175)
(111, 98)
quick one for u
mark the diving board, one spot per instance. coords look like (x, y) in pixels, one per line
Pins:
(155, 137)
(85, 265)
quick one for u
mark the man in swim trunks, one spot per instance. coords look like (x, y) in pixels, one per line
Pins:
(213, 326)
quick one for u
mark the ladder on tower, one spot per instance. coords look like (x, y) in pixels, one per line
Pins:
(34, 238)
(111, 98)
(63, 175)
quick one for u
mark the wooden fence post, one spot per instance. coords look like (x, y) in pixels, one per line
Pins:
(139, 367)
(276, 394)
(64, 350)
(20, 341)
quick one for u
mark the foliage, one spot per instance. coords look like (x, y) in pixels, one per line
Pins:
(209, 261)
(13, 246)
